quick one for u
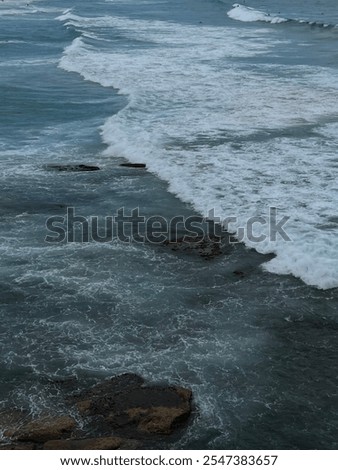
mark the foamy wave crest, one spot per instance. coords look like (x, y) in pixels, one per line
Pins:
(63, 15)
(225, 137)
(247, 14)
(68, 15)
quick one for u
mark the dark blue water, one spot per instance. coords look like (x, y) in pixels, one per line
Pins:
(259, 350)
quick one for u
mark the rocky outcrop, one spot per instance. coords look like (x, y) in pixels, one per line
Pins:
(18, 446)
(120, 413)
(43, 430)
(100, 443)
(126, 404)
(158, 419)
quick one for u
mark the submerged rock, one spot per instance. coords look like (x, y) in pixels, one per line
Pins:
(72, 168)
(134, 165)
(206, 247)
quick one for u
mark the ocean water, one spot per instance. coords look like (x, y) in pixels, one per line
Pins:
(233, 108)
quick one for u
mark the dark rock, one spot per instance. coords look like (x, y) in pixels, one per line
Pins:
(120, 413)
(207, 247)
(99, 443)
(43, 430)
(13, 419)
(134, 165)
(239, 273)
(72, 168)
(18, 446)
(84, 406)
(159, 419)
(126, 404)
(119, 384)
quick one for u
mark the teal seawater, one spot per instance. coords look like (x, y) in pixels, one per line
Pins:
(259, 351)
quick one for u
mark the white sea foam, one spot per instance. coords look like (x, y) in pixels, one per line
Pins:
(24, 62)
(249, 15)
(224, 136)
(67, 15)
(12, 11)
(242, 13)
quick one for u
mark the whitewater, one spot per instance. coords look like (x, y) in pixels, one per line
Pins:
(232, 129)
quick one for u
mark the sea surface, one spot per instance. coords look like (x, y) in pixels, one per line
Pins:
(234, 110)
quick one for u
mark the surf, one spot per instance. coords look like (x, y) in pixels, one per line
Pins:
(246, 14)
(224, 137)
